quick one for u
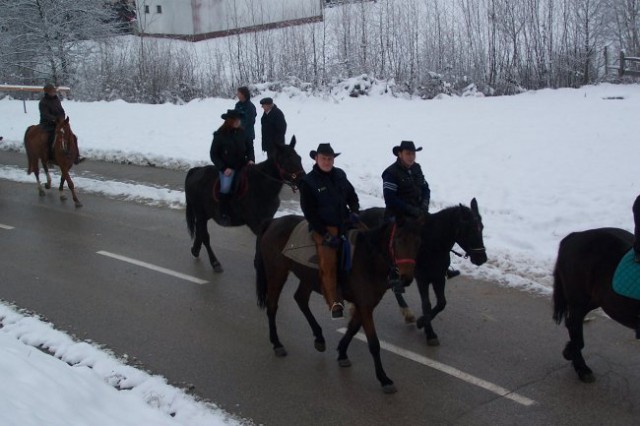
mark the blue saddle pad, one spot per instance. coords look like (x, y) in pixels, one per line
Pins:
(626, 280)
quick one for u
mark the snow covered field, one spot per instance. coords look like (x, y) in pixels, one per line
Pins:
(541, 164)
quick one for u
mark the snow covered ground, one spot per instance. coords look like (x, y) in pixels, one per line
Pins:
(83, 385)
(541, 164)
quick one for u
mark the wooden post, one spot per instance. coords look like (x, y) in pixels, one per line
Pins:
(606, 61)
(621, 70)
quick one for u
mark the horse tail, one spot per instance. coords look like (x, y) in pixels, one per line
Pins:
(190, 215)
(559, 298)
(31, 161)
(258, 263)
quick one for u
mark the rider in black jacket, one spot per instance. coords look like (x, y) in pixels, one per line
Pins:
(50, 110)
(329, 203)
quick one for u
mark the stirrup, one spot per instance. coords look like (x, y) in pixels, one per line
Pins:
(337, 310)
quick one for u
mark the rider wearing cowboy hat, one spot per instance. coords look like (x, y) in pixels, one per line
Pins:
(329, 202)
(406, 192)
(230, 151)
(50, 110)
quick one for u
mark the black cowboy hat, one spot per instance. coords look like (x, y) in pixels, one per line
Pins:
(266, 101)
(405, 145)
(325, 149)
(232, 113)
(48, 86)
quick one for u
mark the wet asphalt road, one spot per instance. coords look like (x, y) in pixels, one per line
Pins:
(214, 338)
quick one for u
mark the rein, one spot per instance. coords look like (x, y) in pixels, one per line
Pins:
(283, 173)
(392, 252)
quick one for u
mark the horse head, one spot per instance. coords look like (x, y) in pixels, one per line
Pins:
(63, 134)
(469, 233)
(404, 244)
(289, 163)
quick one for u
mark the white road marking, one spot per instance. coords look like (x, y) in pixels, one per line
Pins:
(153, 267)
(498, 390)
(5, 226)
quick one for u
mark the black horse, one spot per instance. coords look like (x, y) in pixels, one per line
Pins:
(260, 201)
(364, 286)
(583, 279)
(458, 224)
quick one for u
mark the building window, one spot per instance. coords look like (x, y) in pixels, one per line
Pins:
(146, 8)
(159, 9)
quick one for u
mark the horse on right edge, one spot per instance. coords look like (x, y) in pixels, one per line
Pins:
(583, 281)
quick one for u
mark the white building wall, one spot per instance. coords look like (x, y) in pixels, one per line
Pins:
(193, 17)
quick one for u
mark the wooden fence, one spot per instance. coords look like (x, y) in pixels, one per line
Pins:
(628, 65)
(29, 89)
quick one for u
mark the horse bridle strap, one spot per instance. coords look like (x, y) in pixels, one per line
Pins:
(466, 252)
(392, 252)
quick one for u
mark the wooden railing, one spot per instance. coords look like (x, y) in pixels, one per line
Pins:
(628, 65)
(29, 89)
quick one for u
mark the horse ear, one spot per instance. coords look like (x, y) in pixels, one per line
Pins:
(66, 120)
(474, 206)
(292, 144)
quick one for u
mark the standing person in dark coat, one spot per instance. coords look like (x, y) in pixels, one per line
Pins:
(329, 203)
(406, 193)
(636, 231)
(50, 110)
(245, 106)
(274, 126)
(229, 153)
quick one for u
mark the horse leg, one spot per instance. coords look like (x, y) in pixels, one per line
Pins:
(441, 300)
(573, 350)
(36, 172)
(405, 310)
(302, 295)
(352, 329)
(274, 288)
(374, 349)
(202, 235)
(46, 172)
(425, 320)
(67, 177)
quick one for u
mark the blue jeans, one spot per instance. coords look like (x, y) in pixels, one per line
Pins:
(226, 182)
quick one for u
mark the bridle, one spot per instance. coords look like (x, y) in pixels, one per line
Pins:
(392, 253)
(467, 251)
(285, 176)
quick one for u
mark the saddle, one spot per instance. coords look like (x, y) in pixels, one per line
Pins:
(239, 187)
(626, 279)
(302, 249)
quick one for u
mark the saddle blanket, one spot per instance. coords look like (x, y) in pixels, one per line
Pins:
(301, 249)
(626, 279)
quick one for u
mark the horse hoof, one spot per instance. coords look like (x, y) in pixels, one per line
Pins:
(420, 323)
(217, 267)
(195, 252)
(409, 317)
(63, 198)
(389, 389)
(433, 342)
(566, 353)
(47, 186)
(587, 377)
(280, 352)
(78, 204)
(320, 346)
(41, 192)
(344, 362)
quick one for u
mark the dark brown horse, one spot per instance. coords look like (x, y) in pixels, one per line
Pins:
(583, 279)
(363, 286)
(260, 201)
(442, 230)
(65, 152)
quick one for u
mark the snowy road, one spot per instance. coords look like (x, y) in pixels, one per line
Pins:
(213, 337)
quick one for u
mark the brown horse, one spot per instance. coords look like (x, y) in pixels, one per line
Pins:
(583, 279)
(365, 284)
(65, 152)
